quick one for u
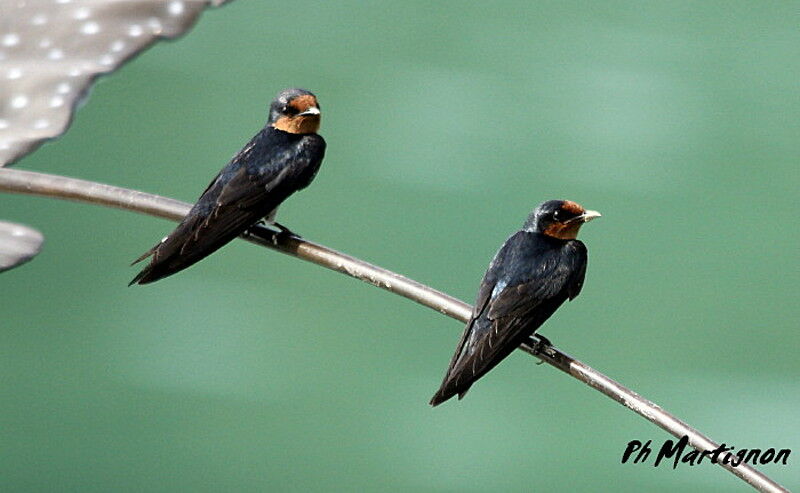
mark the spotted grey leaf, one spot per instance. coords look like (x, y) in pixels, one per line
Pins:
(51, 51)
(18, 244)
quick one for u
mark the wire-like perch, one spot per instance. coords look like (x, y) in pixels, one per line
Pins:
(32, 183)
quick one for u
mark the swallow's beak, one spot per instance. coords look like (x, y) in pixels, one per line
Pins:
(311, 111)
(589, 215)
(583, 218)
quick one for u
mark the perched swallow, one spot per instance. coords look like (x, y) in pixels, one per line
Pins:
(533, 273)
(281, 159)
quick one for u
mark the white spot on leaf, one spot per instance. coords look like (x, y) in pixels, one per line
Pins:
(10, 39)
(175, 8)
(19, 102)
(90, 28)
(82, 13)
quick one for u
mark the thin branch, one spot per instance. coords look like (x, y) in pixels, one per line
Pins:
(31, 183)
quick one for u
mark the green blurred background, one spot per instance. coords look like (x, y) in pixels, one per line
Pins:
(445, 125)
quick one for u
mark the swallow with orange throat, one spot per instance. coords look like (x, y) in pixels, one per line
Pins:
(536, 270)
(278, 161)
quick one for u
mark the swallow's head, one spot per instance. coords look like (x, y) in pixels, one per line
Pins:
(295, 111)
(559, 219)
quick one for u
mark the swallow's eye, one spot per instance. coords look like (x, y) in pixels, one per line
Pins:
(289, 110)
(559, 215)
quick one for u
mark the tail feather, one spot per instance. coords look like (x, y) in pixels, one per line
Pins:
(144, 271)
(145, 255)
(159, 269)
(138, 278)
(159, 266)
(438, 398)
(146, 274)
(447, 391)
(169, 258)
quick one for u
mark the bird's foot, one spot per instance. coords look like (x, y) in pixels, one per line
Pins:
(284, 232)
(542, 341)
(539, 344)
(256, 225)
(275, 233)
(262, 229)
(280, 233)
